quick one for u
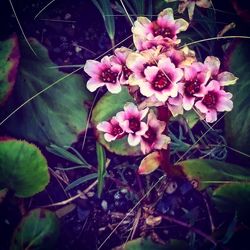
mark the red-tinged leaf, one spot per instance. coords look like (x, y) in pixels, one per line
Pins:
(150, 163)
(9, 61)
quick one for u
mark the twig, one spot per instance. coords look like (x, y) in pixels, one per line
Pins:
(190, 227)
(209, 214)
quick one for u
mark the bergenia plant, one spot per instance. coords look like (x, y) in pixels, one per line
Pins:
(165, 76)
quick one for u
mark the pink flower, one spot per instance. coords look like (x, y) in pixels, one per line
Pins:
(120, 57)
(193, 85)
(131, 122)
(163, 31)
(112, 129)
(190, 5)
(215, 100)
(161, 81)
(138, 62)
(153, 138)
(175, 105)
(181, 57)
(225, 78)
(104, 73)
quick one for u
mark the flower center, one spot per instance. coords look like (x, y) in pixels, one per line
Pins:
(162, 31)
(161, 81)
(192, 88)
(210, 100)
(150, 136)
(109, 76)
(116, 130)
(134, 124)
(126, 72)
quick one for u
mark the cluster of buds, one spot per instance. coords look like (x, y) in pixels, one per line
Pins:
(164, 74)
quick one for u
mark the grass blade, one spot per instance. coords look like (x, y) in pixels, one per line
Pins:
(81, 181)
(101, 158)
(63, 153)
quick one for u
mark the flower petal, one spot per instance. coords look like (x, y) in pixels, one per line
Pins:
(109, 137)
(92, 68)
(188, 102)
(211, 116)
(134, 140)
(150, 73)
(224, 105)
(93, 84)
(114, 88)
(199, 105)
(226, 78)
(213, 64)
(104, 127)
(144, 128)
(181, 25)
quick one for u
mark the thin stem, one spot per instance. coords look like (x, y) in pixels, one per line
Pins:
(213, 38)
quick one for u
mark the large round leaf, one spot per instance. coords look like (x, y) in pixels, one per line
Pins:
(231, 198)
(56, 116)
(207, 172)
(23, 168)
(238, 120)
(146, 244)
(9, 60)
(39, 229)
(107, 107)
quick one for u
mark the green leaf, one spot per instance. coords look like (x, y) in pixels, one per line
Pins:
(101, 159)
(107, 107)
(9, 60)
(207, 172)
(23, 168)
(191, 117)
(81, 181)
(238, 120)
(231, 198)
(39, 229)
(146, 244)
(58, 115)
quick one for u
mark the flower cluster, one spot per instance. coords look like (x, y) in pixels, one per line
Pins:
(131, 122)
(162, 74)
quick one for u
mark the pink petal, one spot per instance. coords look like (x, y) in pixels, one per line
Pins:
(188, 102)
(133, 139)
(114, 88)
(190, 73)
(213, 86)
(177, 76)
(121, 117)
(144, 128)
(109, 137)
(224, 105)
(93, 84)
(131, 109)
(150, 73)
(213, 64)
(104, 127)
(92, 68)
(199, 105)
(125, 127)
(211, 116)
(146, 89)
